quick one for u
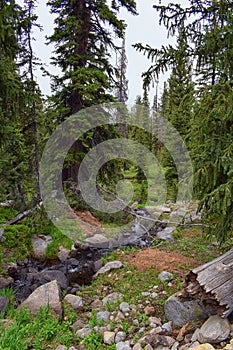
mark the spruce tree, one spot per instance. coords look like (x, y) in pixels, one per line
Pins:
(177, 104)
(17, 101)
(84, 41)
(11, 104)
(208, 29)
(84, 38)
(32, 94)
(122, 81)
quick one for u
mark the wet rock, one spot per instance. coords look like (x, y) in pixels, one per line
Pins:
(40, 244)
(4, 301)
(109, 337)
(12, 270)
(165, 276)
(79, 271)
(6, 282)
(112, 265)
(180, 312)
(214, 330)
(75, 301)
(47, 276)
(48, 294)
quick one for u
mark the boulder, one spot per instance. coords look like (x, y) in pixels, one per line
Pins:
(47, 295)
(214, 330)
(181, 311)
(46, 276)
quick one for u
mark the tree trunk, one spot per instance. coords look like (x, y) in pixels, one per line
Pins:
(212, 283)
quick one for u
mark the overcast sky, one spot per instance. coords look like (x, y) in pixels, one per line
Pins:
(143, 28)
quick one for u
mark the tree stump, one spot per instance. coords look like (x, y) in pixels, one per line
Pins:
(212, 283)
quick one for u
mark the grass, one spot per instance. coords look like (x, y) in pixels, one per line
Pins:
(6, 214)
(17, 244)
(18, 238)
(41, 332)
(193, 242)
(129, 282)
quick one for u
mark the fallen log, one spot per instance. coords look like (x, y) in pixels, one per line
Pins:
(212, 283)
(22, 215)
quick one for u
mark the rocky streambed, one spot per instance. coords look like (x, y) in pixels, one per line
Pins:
(75, 268)
(120, 324)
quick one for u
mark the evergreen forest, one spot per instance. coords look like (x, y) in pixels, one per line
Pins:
(197, 100)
